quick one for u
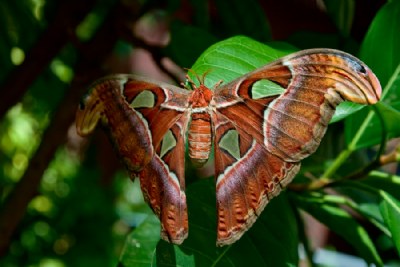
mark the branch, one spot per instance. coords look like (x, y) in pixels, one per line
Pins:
(322, 183)
(87, 70)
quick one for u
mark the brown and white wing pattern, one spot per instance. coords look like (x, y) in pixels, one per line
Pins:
(259, 142)
(259, 139)
(247, 177)
(147, 123)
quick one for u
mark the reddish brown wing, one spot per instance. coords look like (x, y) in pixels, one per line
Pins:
(259, 142)
(162, 182)
(128, 131)
(147, 122)
(246, 179)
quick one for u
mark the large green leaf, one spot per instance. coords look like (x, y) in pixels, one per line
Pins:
(272, 241)
(140, 245)
(233, 57)
(390, 209)
(341, 222)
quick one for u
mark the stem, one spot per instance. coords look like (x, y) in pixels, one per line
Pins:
(221, 256)
(353, 144)
(345, 154)
(337, 163)
(384, 134)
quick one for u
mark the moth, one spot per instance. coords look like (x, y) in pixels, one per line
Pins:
(258, 141)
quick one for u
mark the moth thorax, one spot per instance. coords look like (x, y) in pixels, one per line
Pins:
(200, 139)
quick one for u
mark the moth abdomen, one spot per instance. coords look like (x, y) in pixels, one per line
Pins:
(200, 138)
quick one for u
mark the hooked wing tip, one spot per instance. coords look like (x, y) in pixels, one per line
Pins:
(87, 115)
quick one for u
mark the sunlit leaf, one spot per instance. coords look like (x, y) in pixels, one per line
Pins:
(236, 56)
(384, 181)
(239, 55)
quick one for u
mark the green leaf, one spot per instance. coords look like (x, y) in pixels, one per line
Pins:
(345, 109)
(365, 196)
(368, 200)
(364, 202)
(390, 210)
(274, 233)
(339, 221)
(233, 57)
(384, 181)
(140, 245)
(236, 56)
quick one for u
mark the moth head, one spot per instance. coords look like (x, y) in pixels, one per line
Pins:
(190, 83)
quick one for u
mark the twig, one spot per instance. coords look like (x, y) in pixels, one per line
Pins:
(322, 183)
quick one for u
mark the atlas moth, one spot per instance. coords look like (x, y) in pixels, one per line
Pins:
(259, 140)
